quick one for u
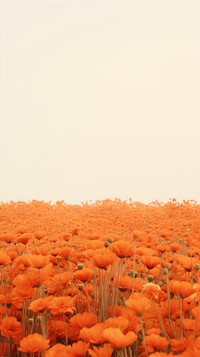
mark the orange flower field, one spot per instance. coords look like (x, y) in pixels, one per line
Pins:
(112, 278)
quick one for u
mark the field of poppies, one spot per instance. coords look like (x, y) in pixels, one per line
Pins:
(112, 278)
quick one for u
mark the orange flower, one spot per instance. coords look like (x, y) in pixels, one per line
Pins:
(117, 339)
(118, 322)
(181, 288)
(105, 351)
(185, 262)
(174, 247)
(57, 328)
(21, 229)
(78, 321)
(66, 252)
(84, 274)
(39, 261)
(84, 320)
(103, 260)
(150, 261)
(162, 248)
(40, 234)
(24, 238)
(127, 283)
(122, 248)
(21, 294)
(152, 291)
(78, 349)
(4, 258)
(33, 343)
(196, 312)
(138, 304)
(8, 237)
(181, 344)
(156, 342)
(10, 327)
(93, 334)
(191, 325)
(174, 306)
(40, 304)
(58, 350)
(61, 304)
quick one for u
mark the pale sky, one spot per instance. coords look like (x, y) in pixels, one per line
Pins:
(99, 99)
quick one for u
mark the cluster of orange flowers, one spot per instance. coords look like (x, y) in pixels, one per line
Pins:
(107, 279)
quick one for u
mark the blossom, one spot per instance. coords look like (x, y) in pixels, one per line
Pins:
(105, 351)
(58, 350)
(33, 343)
(117, 339)
(4, 258)
(138, 304)
(61, 304)
(93, 334)
(122, 248)
(10, 327)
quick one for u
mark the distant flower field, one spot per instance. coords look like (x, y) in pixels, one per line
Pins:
(113, 278)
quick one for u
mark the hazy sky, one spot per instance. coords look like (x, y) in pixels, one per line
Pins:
(98, 99)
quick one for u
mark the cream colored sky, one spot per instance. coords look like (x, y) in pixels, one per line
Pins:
(99, 99)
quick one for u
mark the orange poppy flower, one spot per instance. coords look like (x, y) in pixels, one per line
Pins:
(58, 350)
(118, 322)
(138, 304)
(61, 304)
(10, 327)
(57, 328)
(174, 247)
(39, 261)
(23, 259)
(4, 258)
(85, 319)
(21, 229)
(127, 283)
(78, 321)
(79, 349)
(22, 293)
(8, 237)
(180, 345)
(58, 282)
(191, 325)
(162, 248)
(123, 283)
(40, 304)
(185, 262)
(20, 280)
(196, 312)
(117, 339)
(122, 248)
(105, 351)
(24, 238)
(152, 291)
(66, 252)
(40, 234)
(94, 244)
(84, 274)
(181, 288)
(12, 254)
(93, 334)
(155, 342)
(174, 307)
(33, 343)
(150, 261)
(103, 260)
